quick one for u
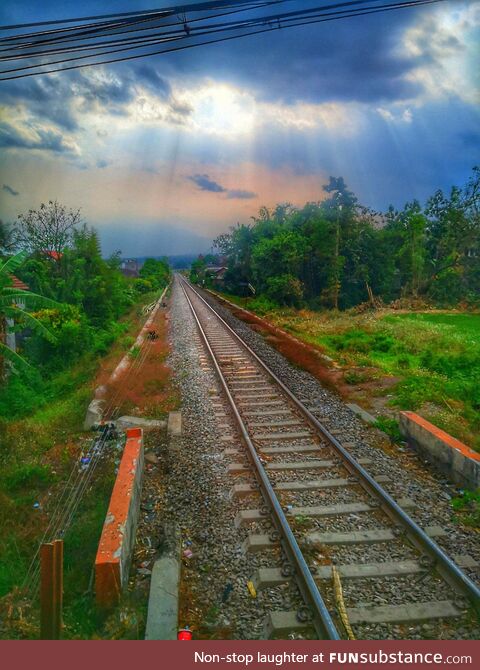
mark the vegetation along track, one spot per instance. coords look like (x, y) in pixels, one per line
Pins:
(290, 466)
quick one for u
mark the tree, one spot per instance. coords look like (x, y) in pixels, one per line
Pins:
(7, 239)
(197, 271)
(343, 254)
(157, 272)
(11, 307)
(49, 228)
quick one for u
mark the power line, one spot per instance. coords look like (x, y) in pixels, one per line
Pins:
(199, 6)
(240, 28)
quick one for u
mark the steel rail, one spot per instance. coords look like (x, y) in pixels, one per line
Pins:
(322, 619)
(444, 565)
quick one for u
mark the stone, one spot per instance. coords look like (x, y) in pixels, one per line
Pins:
(94, 413)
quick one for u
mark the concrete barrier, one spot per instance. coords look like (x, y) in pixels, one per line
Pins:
(162, 618)
(114, 553)
(460, 463)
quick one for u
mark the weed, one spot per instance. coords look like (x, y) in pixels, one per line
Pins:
(467, 505)
(352, 377)
(389, 426)
(127, 341)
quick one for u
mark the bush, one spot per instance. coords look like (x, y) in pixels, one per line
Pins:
(73, 337)
(262, 305)
(143, 286)
(22, 394)
(285, 289)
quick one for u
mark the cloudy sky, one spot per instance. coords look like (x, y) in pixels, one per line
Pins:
(162, 154)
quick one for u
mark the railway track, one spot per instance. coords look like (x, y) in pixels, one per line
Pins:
(299, 489)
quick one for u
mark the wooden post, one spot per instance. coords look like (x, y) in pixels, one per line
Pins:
(58, 594)
(51, 590)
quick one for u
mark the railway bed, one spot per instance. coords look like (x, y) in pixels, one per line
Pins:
(309, 504)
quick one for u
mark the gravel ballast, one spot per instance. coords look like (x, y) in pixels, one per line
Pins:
(214, 581)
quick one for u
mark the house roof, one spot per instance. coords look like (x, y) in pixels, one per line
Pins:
(56, 255)
(216, 269)
(18, 283)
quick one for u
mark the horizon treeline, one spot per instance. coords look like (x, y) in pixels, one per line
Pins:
(335, 253)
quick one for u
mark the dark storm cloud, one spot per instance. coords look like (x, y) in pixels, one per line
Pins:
(9, 189)
(46, 97)
(204, 183)
(353, 60)
(47, 140)
(147, 75)
(350, 60)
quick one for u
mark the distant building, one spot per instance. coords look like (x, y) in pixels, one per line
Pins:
(54, 255)
(130, 267)
(216, 273)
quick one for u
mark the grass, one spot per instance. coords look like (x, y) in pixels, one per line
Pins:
(467, 508)
(419, 361)
(36, 456)
(389, 426)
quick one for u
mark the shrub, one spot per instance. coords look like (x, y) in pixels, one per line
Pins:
(285, 289)
(262, 305)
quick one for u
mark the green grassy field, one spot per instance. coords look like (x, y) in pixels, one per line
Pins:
(421, 361)
(434, 356)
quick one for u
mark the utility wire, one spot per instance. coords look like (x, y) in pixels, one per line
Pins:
(272, 23)
(117, 28)
(74, 490)
(199, 6)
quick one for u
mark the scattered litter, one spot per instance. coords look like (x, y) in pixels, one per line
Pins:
(187, 543)
(147, 506)
(188, 553)
(86, 459)
(36, 505)
(144, 572)
(184, 633)
(251, 589)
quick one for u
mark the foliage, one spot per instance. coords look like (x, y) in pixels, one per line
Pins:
(390, 427)
(14, 304)
(467, 506)
(342, 254)
(155, 272)
(73, 308)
